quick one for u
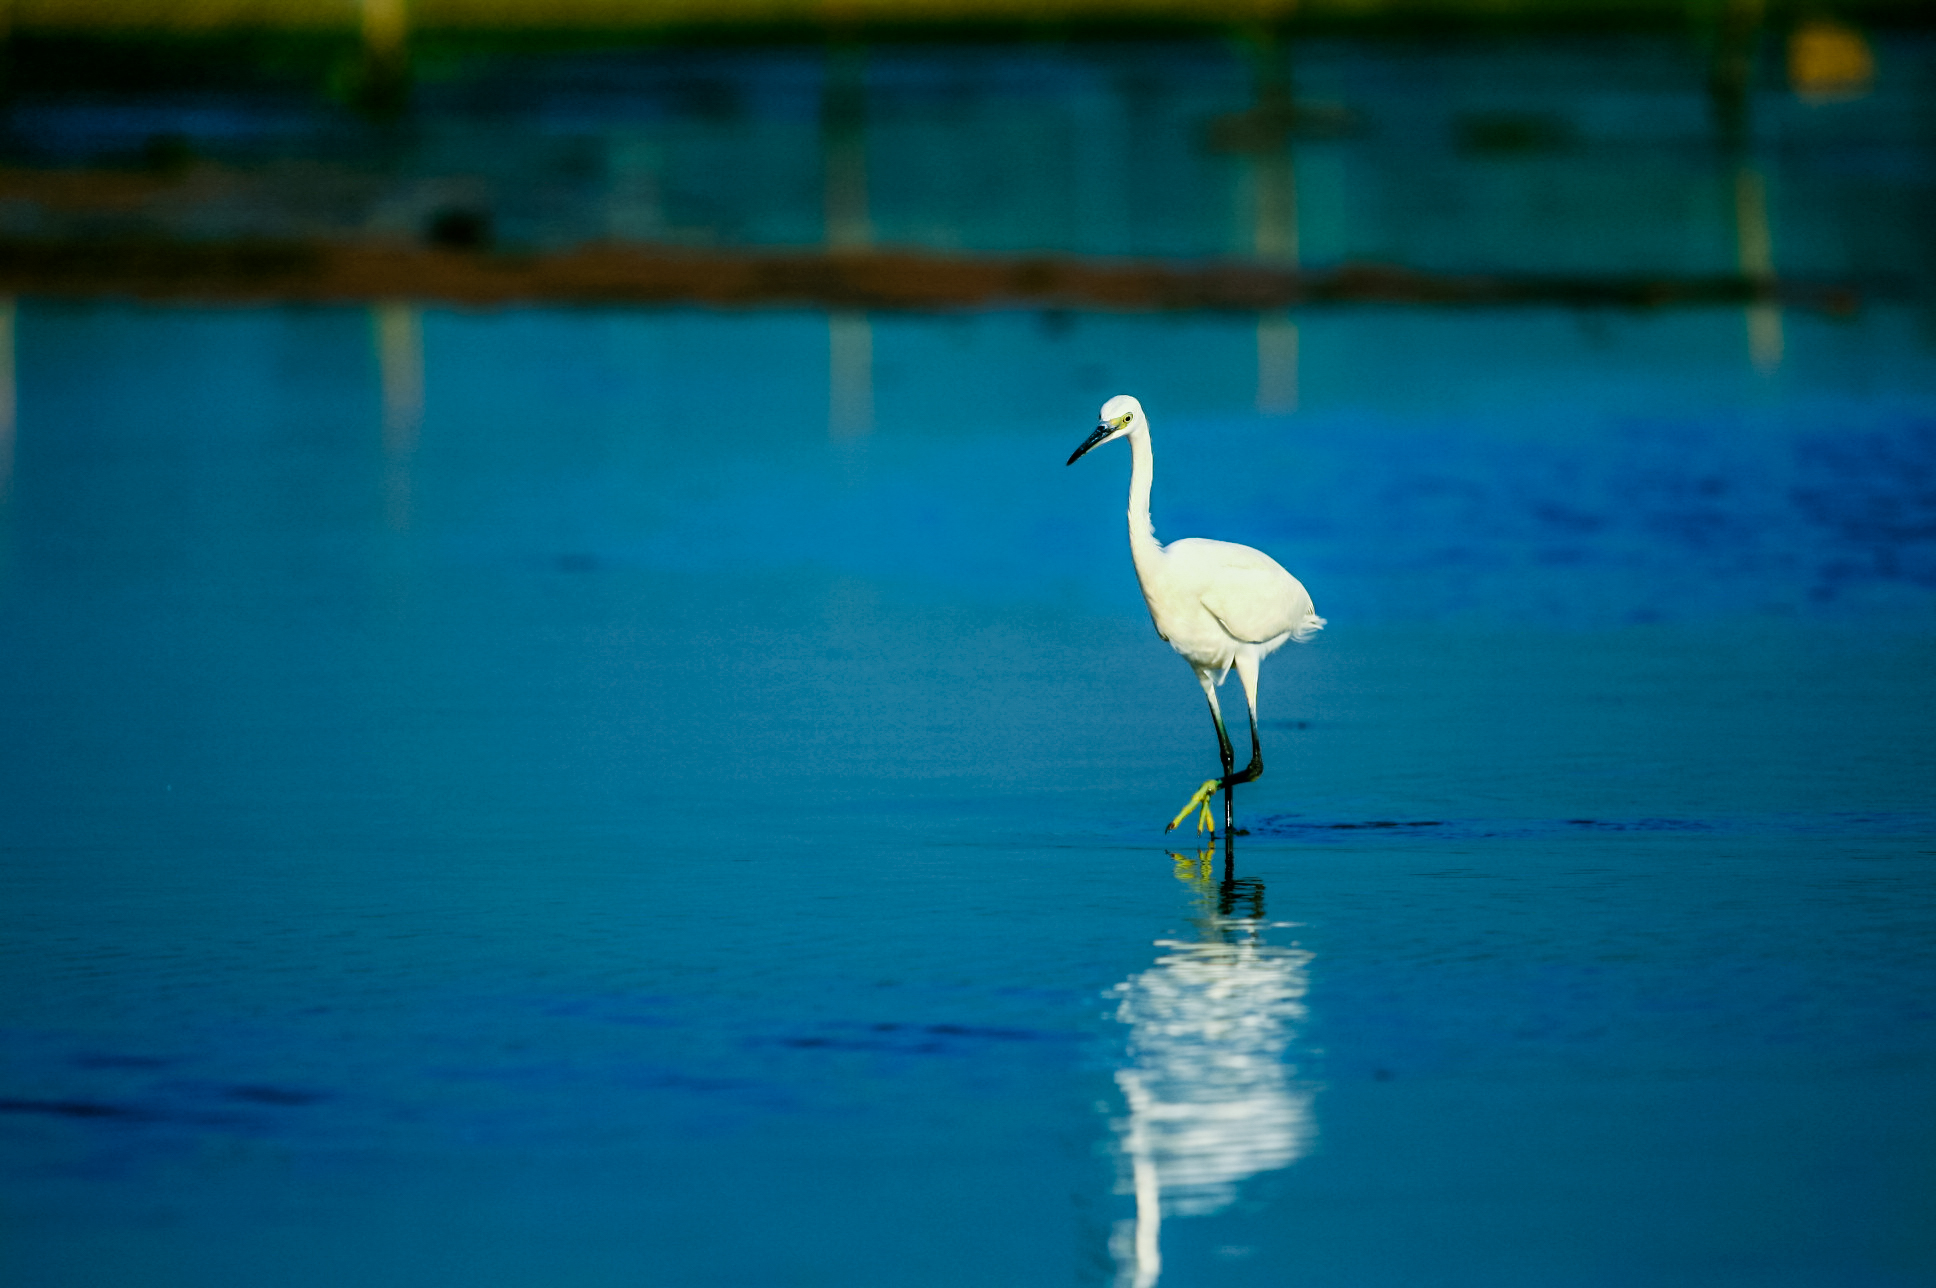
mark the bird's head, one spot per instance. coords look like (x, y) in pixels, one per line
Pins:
(1120, 415)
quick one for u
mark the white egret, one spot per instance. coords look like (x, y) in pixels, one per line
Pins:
(1219, 604)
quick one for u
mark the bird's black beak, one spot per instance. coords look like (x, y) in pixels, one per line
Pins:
(1102, 432)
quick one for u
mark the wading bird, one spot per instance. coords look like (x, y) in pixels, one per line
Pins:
(1219, 604)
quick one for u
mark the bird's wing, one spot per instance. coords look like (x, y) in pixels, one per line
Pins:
(1248, 592)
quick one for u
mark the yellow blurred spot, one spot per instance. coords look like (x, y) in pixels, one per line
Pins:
(386, 28)
(1829, 61)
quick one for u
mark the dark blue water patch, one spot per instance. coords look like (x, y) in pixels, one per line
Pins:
(1650, 523)
(892, 1037)
(1377, 824)
(1875, 495)
(120, 1114)
(137, 1090)
(650, 1012)
(607, 1077)
(86, 1110)
(267, 1095)
(100, 1060)
(1470, 829)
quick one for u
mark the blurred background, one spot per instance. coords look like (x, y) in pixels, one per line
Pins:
(565, 722)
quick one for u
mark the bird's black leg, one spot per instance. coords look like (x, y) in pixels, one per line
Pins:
(1229, 762)
(1252, 772)
(1200, 799)
(1223, 743)
(1216, 718)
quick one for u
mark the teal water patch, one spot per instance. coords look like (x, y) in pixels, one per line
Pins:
(1467, 829)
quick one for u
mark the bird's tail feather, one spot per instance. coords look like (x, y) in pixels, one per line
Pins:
(1307, 628)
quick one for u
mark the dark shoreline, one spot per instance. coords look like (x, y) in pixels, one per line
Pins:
(885, 279)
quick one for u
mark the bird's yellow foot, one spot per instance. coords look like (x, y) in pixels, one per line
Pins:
(1201, 801)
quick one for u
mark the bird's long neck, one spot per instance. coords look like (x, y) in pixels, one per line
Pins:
(1143, 545)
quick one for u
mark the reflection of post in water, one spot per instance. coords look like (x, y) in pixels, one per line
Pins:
(400, 369)
(1276, 362)
(1262, 136)
(1756, 248)
(1211, 1099)
(843, 141)
(634, 205)
(1736, 35)
(850, 374)
(850, 335)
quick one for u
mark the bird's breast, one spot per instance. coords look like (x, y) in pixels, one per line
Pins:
(1191, 629)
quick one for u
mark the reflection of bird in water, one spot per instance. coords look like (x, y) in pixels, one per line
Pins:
(1211, 1100)
(1218, 604)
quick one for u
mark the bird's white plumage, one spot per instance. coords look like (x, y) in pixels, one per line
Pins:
(1215, 601)
(1219, 604)
(1253, 599)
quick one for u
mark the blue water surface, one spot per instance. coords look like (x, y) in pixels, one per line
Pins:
(535, 797)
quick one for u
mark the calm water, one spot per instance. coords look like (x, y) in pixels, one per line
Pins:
(590, 825)
(596, 797)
